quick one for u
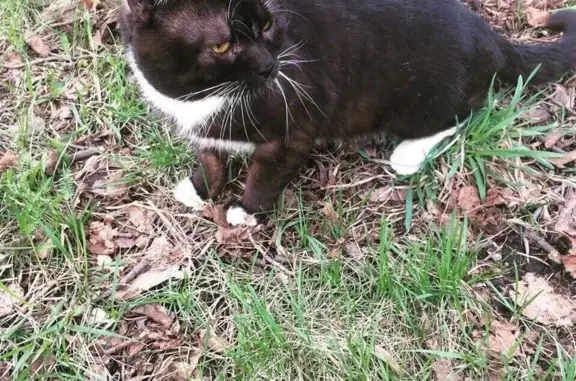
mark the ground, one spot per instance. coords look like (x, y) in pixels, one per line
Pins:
(462, 272)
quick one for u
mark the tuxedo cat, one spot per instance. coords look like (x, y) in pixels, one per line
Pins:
(270, 78)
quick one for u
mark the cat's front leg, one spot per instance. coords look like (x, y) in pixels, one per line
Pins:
(207, 181)
(274, 165)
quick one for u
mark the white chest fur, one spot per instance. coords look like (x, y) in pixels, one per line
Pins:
(190, 116)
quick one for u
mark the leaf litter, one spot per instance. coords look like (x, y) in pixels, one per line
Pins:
(540, 302)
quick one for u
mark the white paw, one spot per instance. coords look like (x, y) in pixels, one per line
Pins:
(185, 192)
(237, 216)
(409, 156)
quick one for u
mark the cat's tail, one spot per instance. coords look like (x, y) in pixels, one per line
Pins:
(556, 59)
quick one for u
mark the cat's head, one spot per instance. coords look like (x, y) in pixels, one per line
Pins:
(192, 48)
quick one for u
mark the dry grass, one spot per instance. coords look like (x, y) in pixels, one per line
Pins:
(359, 275)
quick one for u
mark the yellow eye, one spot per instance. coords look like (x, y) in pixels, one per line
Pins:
(268, 25)
(222, 48)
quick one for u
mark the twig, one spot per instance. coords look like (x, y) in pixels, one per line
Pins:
(267, 258)
(553, 254)
(86, 154)
(352, 185)
(136, 270)
(49, 59)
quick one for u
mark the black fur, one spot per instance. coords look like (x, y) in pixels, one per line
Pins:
(410, 67)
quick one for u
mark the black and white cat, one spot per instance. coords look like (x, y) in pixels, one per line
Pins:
(269, 78)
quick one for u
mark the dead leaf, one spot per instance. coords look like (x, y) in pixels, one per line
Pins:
(12, 59)
(142, 219)
(51, 162)
(354, 252)
(387, 194)
(37, 44)
(213, 342)
(43, 363)
(60, 11)
(569, 262)
(537, 114)
(90, 4)
(156, 313)
(10, 299)
(561, 162)
(552, 139)
(160, 247)
(230, 235)
(566, 223)
(148, 280)
(564, 97)
(383, 355)
(102, 236)
(503, 339)
(329, 212)
(536, 17)
(112, 186)
(469, 200)
(545, 305)
(443, 370)
(184, 371)
(8, 160)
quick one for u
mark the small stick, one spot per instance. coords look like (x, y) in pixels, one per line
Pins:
(267, 258)
(86, 154)
(136, 270)
(48, 59)
(553, 254)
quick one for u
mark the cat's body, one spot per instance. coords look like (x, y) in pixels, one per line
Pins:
(322, 69)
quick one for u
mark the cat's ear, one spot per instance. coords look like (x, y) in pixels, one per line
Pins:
(142, 9)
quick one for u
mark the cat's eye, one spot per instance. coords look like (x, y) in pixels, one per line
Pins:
(268, 25)
(221, 48)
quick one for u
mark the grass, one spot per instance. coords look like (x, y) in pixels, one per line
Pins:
(376, 291)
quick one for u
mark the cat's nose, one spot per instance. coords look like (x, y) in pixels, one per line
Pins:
(267, 70)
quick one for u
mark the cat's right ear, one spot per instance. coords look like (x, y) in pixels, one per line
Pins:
(142, 9)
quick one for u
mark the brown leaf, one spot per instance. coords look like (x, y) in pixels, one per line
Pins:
(12, 59)
(125, 243)
(384, 355)
(469, 200)
(552, 139)
(213, 342)
(503, 339)
(160, 247)
(112, 186)
(38, 45)
(536, 17)
(10, 299)
(90, 4)
(545, 305)
(329, 212)
(7, 161)
(157, 313)
(568, 158)
(386, 194)
(148, 280)
(51, 162)
(564, 97)
(567, 219)
(142, 219)
(102, 237)
(184, 371)
(537, 114)
(569, 262)
(230, 235)
(443, 371)
(60, 11)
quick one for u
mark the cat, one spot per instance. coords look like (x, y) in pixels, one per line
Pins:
(269, 78)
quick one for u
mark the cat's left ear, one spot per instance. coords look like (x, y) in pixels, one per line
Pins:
(142, 9)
